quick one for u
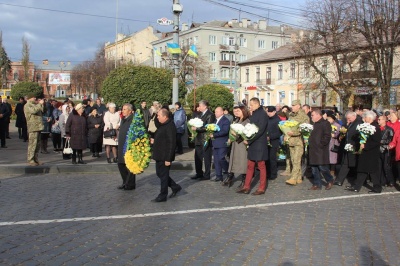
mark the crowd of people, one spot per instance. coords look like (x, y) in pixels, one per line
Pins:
(322, 154)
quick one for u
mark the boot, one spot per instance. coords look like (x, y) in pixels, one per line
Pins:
(228, 180)
(80, 160)
(115, 160)
(291, 181)
(243, 176)
(108, 160)
(96, 154)
(73, 158)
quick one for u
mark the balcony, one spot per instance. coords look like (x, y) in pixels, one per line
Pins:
(261, 82)
(365, 74)
(226, 63)
(226, 47)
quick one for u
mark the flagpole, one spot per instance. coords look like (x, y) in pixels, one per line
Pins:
(194, 84)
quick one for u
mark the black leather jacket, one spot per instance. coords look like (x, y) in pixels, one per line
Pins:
(386, 137)
(208, 118)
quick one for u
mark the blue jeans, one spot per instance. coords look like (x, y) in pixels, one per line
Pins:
(317, 170)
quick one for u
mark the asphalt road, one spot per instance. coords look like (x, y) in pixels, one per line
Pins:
(76, 219)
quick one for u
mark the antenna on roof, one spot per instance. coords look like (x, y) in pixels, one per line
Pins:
(240, 13)
(192, 17)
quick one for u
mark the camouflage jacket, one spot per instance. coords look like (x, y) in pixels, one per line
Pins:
(33, 113)
(300, 117)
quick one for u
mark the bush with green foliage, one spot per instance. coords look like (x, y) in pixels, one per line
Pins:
(133, 84)
(215, 94)
(23, 88)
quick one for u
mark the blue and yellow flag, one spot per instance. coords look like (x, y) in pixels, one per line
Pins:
(193, 51)
(173, 48)
(156, 51)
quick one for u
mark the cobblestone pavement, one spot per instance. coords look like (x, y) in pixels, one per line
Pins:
(83, 219)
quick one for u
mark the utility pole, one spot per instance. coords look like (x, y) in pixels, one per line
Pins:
(177, 9)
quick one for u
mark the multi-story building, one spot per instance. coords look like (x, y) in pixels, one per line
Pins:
(223, 44)
(17, 74)
(135, 48)
(282, 75)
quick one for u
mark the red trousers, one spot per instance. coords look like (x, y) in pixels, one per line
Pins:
(250, 172)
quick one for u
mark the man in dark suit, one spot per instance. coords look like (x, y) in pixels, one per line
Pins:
(349, 161)
(4, 118)
(164, 144)
(319, 150)
(203, 152)
(274, 135)
(128, 178)
(219, 141)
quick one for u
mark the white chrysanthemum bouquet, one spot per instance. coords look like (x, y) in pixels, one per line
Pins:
(348, 147)
(194, 122)
(305, 130)
(366, 130)
(234, 131)
(249, 131)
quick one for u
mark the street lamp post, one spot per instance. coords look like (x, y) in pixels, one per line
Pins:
(177, 10)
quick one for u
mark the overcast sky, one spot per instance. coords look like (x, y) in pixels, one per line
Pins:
(72, 30)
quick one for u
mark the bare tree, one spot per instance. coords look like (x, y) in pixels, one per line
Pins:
(25, 57)
(5, 63)
(378, 21)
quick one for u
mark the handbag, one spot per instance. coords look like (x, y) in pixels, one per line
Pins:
(55, 128)
(335, 148)
(111, 133)
(152, 126)
(67, 148)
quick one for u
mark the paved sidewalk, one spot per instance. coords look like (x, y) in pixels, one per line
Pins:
(13, 160)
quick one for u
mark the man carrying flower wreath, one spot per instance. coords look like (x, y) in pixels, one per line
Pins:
(128, 178)
(164, 144)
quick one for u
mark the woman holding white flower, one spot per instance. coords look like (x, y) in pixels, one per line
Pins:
(369, 158)
(334, 156)
(238, 156)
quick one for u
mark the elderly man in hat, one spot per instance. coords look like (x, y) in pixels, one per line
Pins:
(33, 112)
(295, 143)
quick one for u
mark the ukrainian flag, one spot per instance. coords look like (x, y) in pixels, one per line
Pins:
(193, 51)
(156, 51)
(173, 48)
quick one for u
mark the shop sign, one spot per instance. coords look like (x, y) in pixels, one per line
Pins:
(362, 91)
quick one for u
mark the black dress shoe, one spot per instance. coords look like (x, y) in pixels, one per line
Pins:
(159, 199)
(121, 186)
(196, 177)
(174, 192)
(129, 188)
(4, 146)
(337, 183)
(352, 189)
(373, 191)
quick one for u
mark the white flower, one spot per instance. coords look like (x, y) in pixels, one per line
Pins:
(250, 130)
(195, 122)
(366, 128)
(349, 147)
(305, 127)
(238, 128)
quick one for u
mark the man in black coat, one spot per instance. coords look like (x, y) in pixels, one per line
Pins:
(387, 134)
(4, 117)
(274, 135)
(128, 179)
(349, 161)
(203, 152)
(257, 152)
(164, 144)
(9, 118)
(319, 150)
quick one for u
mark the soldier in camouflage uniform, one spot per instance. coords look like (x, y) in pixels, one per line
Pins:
(33, 112)
(295, 142)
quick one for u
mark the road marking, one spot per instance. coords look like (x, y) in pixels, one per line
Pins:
(155, 214)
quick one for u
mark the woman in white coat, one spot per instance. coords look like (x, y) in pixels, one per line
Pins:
(112, 120)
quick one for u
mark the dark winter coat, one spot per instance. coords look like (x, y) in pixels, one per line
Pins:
(165, 142)
(95, 134)
(258, 146)
(19, 111)
(369, 159)
(319, 140)
(207, 118)
(123, 130)
(76, 128)
(274, 133)
(353, 138)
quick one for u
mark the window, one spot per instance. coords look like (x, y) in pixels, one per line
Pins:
(261, 44)
(242, 57)
(258, 74)
(16, 76)
(306, 70)
(213, 73)
(292, 70)
(274, 44)
(212, 57)
(363, 64)
(225, 56)
(225, 73)
(227, 40)
(268, 73)
(280, 72)
(212, 40)
(195, 39)
(247, 74)
(242, 42)
(324, 66)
